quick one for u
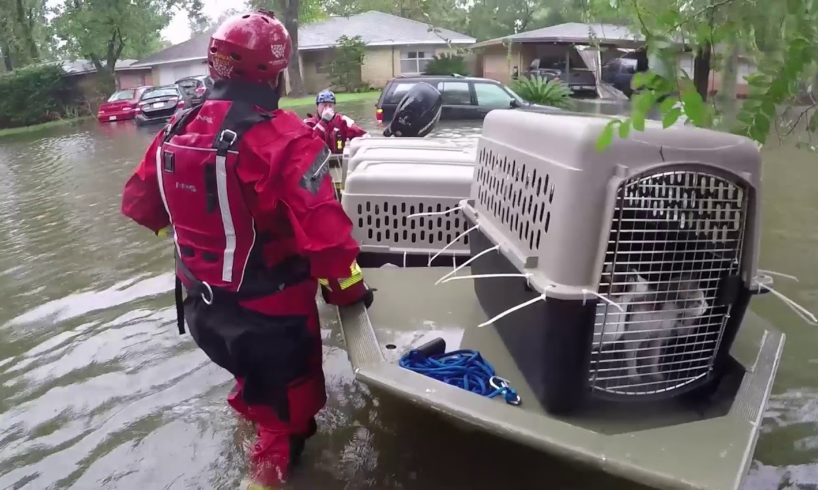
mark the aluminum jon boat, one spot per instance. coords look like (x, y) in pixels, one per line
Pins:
(610, 289)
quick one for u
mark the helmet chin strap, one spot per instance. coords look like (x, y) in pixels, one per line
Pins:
(278, 83)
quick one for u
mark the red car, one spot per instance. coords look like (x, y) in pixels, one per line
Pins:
(121, 105)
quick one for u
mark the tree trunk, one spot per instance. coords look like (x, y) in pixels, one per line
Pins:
(701, 69)
(727, 92)
(290, 8)
(7, 57)
(27, 30)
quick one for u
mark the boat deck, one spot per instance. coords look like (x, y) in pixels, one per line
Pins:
(663, 444)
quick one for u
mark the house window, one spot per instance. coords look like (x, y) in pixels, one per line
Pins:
(321, 67)
(414, 61)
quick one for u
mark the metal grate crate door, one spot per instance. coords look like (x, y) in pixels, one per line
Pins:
(675, 238)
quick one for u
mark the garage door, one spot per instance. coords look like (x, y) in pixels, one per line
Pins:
(168, 74)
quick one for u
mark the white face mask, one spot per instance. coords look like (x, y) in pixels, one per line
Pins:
(323, 106)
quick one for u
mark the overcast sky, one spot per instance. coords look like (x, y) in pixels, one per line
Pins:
(178, 29)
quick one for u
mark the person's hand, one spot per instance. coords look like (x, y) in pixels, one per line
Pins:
(328, 114)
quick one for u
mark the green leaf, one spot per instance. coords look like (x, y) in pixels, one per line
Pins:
(624, 129)
(667, 104)
(641, 79)
(606, 136)
(758, 80)
(671, 117)
(694, 106)
(643, 102)
(762, 124)
(638, 121)
(768, 108)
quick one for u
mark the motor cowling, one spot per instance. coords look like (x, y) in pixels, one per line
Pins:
(417, 113)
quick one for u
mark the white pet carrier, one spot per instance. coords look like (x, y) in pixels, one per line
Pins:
(663, 225)
(390, 179)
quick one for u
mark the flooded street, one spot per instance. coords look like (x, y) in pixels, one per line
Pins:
(98, 390)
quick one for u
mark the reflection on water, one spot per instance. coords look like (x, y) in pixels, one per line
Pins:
(97, 390)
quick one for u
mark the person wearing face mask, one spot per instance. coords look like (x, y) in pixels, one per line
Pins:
(332, 127)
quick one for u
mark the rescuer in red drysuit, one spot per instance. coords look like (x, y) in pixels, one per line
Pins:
(244, 187)
(334, 128)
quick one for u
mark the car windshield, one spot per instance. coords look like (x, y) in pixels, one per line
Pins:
(514, 95)
(121, 95)
(160, 92)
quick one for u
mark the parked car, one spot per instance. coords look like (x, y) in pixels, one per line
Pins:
(194, 89)
(579, 80)
(121, 105)
(463, 97)
(158, 104)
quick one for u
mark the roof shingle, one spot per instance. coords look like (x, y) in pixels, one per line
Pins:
(375, 28)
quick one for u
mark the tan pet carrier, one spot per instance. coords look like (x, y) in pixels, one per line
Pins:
(636, 262)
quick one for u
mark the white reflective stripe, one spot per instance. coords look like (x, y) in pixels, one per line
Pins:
(162, 193)
(247, 257)
(227, 218)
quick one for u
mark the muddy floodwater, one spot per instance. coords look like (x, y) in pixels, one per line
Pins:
(98, 390)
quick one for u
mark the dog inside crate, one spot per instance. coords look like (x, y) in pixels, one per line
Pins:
(675, 242)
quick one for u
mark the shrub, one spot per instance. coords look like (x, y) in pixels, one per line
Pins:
(543, 91)
(446, 64)
(345, 69)
(36, 94)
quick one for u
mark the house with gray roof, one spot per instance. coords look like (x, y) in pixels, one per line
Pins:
(394, 46)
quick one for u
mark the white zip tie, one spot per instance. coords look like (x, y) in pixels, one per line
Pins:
(603, 298)
(464, 264)
(404, 259)
(458, 237)
(435, 213)
(773, 273)
(515, 308)
(481, 276)
(805, 314)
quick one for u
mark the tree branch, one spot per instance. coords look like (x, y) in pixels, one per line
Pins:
(800, 117)
(645, 30)
(710, 8)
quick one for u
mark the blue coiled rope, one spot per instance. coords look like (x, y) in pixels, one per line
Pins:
(463, 368)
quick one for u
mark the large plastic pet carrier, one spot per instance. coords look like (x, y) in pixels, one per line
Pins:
(663, 225)
(390, 179)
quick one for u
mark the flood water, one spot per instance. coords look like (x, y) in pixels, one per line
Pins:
(97, 389)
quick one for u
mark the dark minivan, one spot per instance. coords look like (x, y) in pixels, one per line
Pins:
(463, 97)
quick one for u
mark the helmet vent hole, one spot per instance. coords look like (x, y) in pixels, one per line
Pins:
(235, 56)
(262, 67)
(210, 63)
(213, 49)
(265, 19)
(245, 16)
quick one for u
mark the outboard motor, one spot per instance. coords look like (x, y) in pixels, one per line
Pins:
(417, 113)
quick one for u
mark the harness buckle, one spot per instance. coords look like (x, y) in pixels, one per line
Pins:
(228, 137)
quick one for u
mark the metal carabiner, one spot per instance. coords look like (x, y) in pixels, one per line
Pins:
(503, 383)
(210, 291)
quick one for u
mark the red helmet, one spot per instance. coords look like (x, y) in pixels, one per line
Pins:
(253, 47)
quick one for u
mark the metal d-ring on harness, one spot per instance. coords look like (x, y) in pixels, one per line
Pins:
(463, 368)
